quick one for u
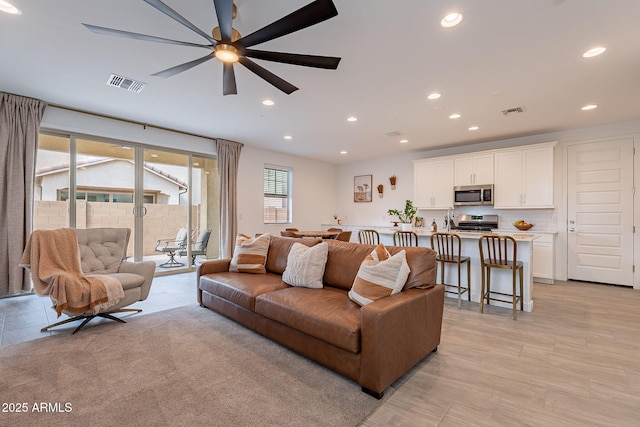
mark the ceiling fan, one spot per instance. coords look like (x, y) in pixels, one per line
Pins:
(228, 46)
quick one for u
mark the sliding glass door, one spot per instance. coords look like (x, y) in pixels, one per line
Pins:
(169, 199)
(168, 227)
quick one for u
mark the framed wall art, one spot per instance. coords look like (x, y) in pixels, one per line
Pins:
(362, 188)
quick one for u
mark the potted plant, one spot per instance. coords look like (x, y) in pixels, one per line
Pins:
(405, 217)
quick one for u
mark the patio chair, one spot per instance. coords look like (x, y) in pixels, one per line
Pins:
(199, 247)
(171, 247)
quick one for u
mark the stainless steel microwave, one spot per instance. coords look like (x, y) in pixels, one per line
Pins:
(470, 195)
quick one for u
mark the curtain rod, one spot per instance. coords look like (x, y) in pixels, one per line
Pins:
(144, 125)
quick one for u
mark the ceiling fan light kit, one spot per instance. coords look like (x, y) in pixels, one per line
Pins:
(229, 47)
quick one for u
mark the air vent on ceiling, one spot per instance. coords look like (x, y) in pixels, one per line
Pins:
(125, 83)
(513, 110)
(394, 133)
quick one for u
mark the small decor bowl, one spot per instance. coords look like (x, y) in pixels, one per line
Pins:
(523, 227)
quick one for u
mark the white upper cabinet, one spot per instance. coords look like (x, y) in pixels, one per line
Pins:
(524, 177)
(433, 183)
(474, 170)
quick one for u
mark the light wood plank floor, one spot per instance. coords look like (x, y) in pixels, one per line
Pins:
(573, 361)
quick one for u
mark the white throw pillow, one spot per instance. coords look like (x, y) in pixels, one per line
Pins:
(380, 275)
(305, 265)
(250, 254)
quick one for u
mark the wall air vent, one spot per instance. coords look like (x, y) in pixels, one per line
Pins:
(125, 83)
(513, 110)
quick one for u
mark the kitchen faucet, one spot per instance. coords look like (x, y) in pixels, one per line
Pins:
(448, 220)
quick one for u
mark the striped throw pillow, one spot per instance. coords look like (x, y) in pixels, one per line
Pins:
(250, 254)
(380, 275)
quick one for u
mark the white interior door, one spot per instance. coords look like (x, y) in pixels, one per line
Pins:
(600, 212)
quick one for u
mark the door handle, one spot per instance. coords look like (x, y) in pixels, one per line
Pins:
(572, 230)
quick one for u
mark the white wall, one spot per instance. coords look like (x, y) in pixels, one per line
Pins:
(313, 187)
(374, 213)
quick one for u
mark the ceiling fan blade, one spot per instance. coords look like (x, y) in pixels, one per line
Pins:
(228, 79)
(267, 75)
(224, 12)
(138, 36)
(328, 62)
(306, 16)
(158, 4)
(183, 67)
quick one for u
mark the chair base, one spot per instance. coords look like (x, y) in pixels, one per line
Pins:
(172, 262)
(87, 319)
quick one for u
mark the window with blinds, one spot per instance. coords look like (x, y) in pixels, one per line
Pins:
(277, 196)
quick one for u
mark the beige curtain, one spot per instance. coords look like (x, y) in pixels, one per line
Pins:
(19, 124)
(228, 159)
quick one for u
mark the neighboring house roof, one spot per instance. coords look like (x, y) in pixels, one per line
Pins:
(49, 170)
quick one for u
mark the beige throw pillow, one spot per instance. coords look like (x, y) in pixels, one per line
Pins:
(305, 265)
(380, 275)
(250, 254)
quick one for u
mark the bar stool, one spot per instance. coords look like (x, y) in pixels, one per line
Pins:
(405, 238)
(447, 247)
(500, 252)
(369, 237)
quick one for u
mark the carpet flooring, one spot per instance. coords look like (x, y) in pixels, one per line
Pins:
(185, 366)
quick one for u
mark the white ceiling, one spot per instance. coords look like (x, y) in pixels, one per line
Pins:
(505, 53)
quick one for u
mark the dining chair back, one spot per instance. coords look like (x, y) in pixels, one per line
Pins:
(344, 236)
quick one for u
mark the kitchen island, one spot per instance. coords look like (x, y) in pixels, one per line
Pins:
(500, 280)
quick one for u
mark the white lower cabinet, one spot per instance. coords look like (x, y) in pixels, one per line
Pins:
(544, 258)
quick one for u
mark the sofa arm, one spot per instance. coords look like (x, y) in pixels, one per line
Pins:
(398, 332)
(213, 266)
(146, 269)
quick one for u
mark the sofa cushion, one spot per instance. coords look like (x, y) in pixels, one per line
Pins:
(326, 314)
(241, 289)
(380, 275)
(423, 267)
(279, 248)
(305, 265)
(250, 254)
(344, 261)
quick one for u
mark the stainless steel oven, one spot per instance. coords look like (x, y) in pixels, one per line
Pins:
(473, 195)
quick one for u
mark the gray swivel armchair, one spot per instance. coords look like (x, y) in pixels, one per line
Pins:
(103, 251)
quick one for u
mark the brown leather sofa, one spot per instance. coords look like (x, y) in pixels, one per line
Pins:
(372, 345)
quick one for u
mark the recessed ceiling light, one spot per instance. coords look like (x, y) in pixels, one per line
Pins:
(154, 156)
(268, 102)
(433, 96)
(352, 119)
(9, 8)
(343, 152)
(451, 20)
(196, 164)
(404, 141)
(594, 52)
(589, 107)
(288, 137)
(455, 116)
(474, 128)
